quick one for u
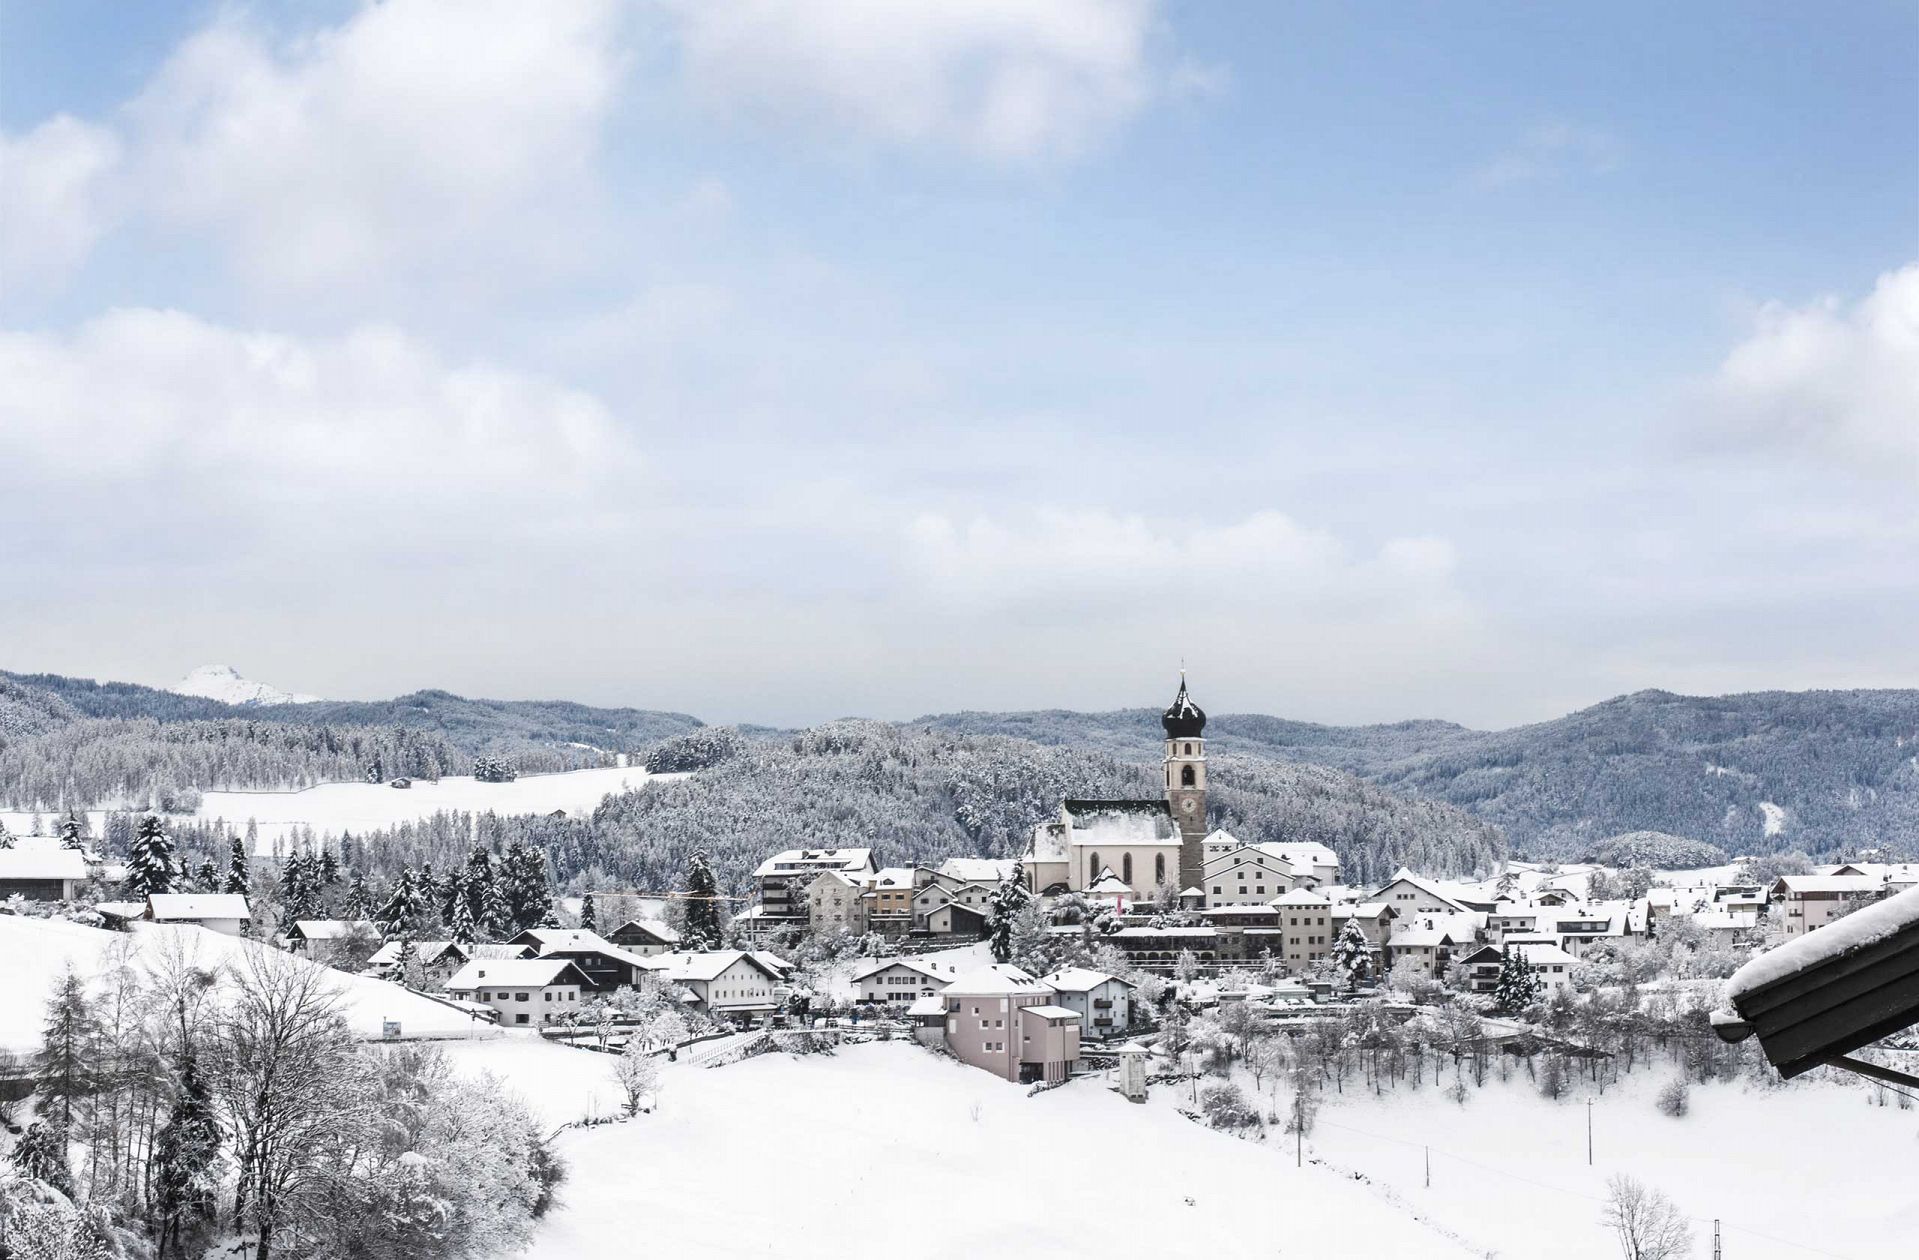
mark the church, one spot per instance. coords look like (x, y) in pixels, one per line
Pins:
(1127, 851)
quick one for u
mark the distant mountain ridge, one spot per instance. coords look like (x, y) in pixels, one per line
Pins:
(1823, 771)
(224, 683)
(1759, 772)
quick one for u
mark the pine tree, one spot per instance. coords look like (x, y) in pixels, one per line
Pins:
(185, 1158)
(239, 879)
(588, 920)
(300, 890)
(482, 890)
(463, 927)
(6, 837)
(329, 868)
(150, 864)
(401, 913)
(207, 878)
(64, 1068)
(72, 835)
(529, 901)
(41, 1153)
(452, 893)
(1518, 986)
(1352, 954)
(702, 929)
(1003, 907)
(358, 903)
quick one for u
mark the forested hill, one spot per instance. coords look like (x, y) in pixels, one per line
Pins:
(67, 741)
(477, 726)
(918, 795)
(1767, 771)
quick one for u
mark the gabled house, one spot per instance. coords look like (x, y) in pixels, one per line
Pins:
(1430, 941)
(644, 937)
(521, 991)
(1482, 967)
(603, 965)
(1409, 894)
(724, 983)
(1104, 1004)
(225, 913)
(900, 979)
(1805, 903)
(954, 919)
(42, 874)
(321, 939)
(1008, 1021)
(1248, 875)
(833, 903)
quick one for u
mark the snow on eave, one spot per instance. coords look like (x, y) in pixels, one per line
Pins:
(1857, 930)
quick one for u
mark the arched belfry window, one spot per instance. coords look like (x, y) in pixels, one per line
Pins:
(1186, 776)
(1159, 869)
(1092, 869)
(1126, 868)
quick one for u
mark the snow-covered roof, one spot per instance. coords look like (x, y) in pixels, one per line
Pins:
(931, 1004)
(42, 864)
(680, 968)
(1361, 909)
(1050, 1013)
(426, 951)
(877, 965)
(1405, 876)
(1080, 979)
(1829, 883)
(979, 870)
(652, 927)
(1175, 933)
(1119, 822)
(188, 907)
(121, 909)
(771, 961)
(1859, 929)
(993, 980)
(1300, 853)
(793, 861)
(514, 973)
(1049, 843)
(1109, 884)
(332, 929)
(894, 877)
(1422, 934)
(1301, 897)
(1542, 954)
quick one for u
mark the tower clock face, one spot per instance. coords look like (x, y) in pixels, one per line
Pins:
(1189, 805)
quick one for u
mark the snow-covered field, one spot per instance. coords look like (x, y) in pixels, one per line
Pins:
(886, 1148)
(809, 1157)
(333, 808)
(1809, 1170)
(560, 1083)
(35, 952)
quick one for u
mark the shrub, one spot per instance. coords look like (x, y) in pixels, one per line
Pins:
(1225, 1107)
(1675, 1098)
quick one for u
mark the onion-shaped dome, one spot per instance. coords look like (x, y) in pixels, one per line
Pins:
(1184, 720)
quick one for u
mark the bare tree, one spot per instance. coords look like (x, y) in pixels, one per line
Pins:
(286, 1074)
(1645, 1221)
(638, 1074)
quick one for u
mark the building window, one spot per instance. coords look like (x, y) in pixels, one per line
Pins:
(1186, 776)
(1126, 868)
(1159, 869)
(1092, 867)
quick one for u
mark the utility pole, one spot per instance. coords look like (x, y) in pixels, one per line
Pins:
(1429, 1168)
(1715, 1239)
(1299, 1144)
(1589, 1132)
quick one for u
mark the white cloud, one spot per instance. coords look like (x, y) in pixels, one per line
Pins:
(369, 426)
(52, 204)
(415, 130)
(1264, 561)
(1551, 150)
(1843, 381)
(1005, 79)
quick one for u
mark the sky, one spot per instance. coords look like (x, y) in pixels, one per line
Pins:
(779, 362)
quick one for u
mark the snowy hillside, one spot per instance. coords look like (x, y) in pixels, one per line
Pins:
(361, 807)
(38, 951)
(224, 683)
(977, 1165)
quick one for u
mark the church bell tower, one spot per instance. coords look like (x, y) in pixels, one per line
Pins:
(1185, 726)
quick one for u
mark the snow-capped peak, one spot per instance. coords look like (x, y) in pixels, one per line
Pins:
(223, 683)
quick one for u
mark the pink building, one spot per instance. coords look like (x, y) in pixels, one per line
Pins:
(1009, 1022)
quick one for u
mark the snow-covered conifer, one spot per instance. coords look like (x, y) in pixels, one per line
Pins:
(150, 863)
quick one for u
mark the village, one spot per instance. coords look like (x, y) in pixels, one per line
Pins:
(1121, 916)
